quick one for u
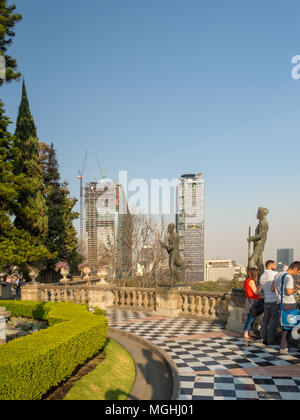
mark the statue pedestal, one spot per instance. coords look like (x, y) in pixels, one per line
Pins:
(31, 291)
(168, 301)
(237, 314)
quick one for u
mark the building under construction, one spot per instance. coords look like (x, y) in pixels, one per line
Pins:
(108, 226)
(190, 224)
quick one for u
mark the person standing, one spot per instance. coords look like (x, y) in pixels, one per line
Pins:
(271, 312)
(18, 288)
(9, 279)
(252, 301)
(289, 301)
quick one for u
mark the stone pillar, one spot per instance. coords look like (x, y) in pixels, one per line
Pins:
(100, 297)
(2, 330)
(31, 291)
(237, 314)
(5, 291)
(168, 302)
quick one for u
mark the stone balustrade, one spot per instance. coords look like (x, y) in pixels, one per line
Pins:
(64, 293)
(207, 305)
(165, 301)
(135, 298)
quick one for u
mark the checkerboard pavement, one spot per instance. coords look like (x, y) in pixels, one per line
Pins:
(116, 316)
(213, 364)
(229, 387)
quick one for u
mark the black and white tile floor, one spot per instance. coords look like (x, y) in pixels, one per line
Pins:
(162, 329)
(229, 387)
(116, 316)
(201, 361)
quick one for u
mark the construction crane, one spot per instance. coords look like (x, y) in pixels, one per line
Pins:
(80, 177)
(103, 173)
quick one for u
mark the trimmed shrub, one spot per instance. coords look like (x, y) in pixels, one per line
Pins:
(30, 366)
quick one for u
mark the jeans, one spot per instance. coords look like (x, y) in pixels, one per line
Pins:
(270, 322)
(18, 292)
(250, 319)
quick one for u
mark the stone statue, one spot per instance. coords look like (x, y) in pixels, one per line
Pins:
(175, 260)
(259, 241)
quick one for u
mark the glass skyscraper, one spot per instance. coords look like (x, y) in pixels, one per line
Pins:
(284, 257)
(190, 224)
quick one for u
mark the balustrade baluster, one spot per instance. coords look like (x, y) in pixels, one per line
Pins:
(144, 300)
(213, 308)
(186, 304)
(134, 298)
(206, 307)
(151, 300)
(199, 306)
(67, 295)
(122, 300)
(147, 300)
(139, 298)
(192, 304)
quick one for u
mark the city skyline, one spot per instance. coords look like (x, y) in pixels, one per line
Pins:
(166, 88)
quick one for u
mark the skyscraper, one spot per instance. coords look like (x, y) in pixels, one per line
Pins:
(284, 257)
(107, 224)
(190, 224)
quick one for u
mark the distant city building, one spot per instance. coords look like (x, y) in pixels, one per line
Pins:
(219, 269)
(190, 224)
(284, 257)
(107, 229)
(241, 269)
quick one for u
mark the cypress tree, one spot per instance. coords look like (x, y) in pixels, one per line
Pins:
(30, 211)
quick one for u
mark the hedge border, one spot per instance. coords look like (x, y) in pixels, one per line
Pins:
(30, 366)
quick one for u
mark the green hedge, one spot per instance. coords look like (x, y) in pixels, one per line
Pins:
(30, 366)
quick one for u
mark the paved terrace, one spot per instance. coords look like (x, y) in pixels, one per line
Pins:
(216, 364)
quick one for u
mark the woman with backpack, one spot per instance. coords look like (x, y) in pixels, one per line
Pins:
(252, 300)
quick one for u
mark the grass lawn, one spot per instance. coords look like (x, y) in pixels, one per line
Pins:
(112, 379)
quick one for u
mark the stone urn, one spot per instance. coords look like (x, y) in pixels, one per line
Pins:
(64, 272)
(103, 282)
(87, 270)
(102, 273)
(33, 274)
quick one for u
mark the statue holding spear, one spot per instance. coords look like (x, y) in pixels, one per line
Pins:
(259, 240)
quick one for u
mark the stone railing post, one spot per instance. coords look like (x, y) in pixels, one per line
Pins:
(2, 330)
(31, 291)
(168, 302)
(237, 314)
(5, 291)
(101, 297)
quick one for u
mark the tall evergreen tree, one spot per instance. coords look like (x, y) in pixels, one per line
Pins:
(8, 20)
(30, 211)
(17, 247)
(62, 236)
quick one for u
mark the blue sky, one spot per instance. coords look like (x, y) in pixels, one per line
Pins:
(164, 87)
